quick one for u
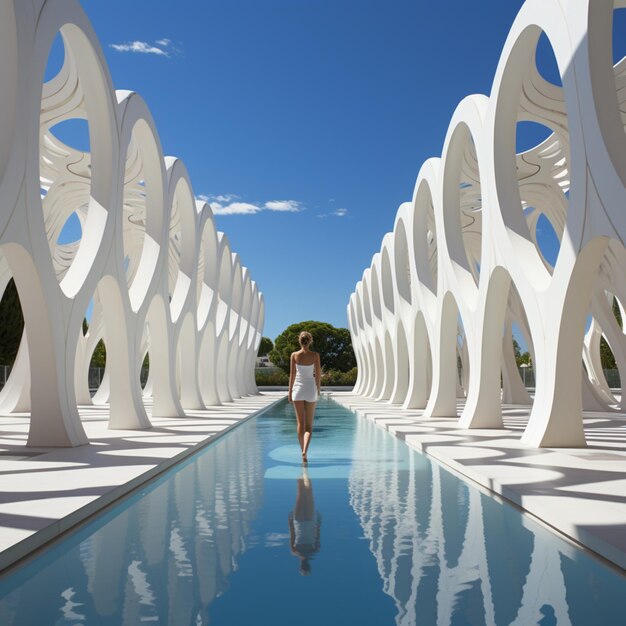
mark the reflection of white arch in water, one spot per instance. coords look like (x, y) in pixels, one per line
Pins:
(170, 553)
(388, 512)
(544, 586)
(430, 550)
(188, 535)
(469, 236)
(471, 568)
(147, 256)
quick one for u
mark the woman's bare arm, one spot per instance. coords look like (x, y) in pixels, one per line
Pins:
(292, 374)
(318, 373)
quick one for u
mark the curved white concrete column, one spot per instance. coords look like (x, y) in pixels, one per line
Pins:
(464, 261)
(148, 257)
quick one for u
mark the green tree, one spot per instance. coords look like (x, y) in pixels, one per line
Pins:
(618, 313)
(99, 357)
(521, 358)
(606, 354)
(333, 344)
(265, 346)
(11, 324)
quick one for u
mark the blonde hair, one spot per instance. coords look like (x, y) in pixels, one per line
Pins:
(305, 339)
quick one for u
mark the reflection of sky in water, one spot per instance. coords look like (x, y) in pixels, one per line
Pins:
(401, 541)
(332, 462)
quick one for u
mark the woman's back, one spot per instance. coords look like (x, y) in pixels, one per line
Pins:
(305, 358)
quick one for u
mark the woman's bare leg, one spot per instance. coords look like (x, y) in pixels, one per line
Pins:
(301, 421)
(308, 426)
(305, 507)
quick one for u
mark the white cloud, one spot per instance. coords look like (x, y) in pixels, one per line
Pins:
(228, 197)
(289, 206)
(143, 47)
(222, 199)
(335, 213)
(232, 204)
(164, 42)
(235, 208)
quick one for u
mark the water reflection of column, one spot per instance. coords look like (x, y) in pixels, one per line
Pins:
(445, 551)
(223, 512)
(223, 522)
(509, 546)
(466, 573)
(426, 532)
(392, 498)
(165, 556)
(60, 592)
(544, 593)
(138, 597)
(154, 512)
(118, 556)
(170, 554)
(180, 566)
(107, 563)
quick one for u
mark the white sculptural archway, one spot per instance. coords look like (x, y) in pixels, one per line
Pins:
(468, 264)
(162, 281)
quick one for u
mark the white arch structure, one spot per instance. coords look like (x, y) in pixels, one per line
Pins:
(463, 263)
(162, 280)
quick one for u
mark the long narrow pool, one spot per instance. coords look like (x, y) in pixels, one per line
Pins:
(370, 533)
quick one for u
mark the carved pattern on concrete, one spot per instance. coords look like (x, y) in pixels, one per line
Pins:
(161, 280)
(463, 263)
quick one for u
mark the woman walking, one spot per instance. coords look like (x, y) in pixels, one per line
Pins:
(304, 388)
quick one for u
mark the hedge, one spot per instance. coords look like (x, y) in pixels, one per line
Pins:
(331, 378)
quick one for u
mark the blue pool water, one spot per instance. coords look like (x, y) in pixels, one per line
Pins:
(372, 534)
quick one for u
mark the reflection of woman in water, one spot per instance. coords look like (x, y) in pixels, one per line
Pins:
(304, 525)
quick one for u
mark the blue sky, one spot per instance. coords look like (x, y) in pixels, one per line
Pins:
(322, 108)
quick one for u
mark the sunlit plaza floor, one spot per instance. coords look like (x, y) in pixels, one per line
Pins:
(45, 491)
(581, 492)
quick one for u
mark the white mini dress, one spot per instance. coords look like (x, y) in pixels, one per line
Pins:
(304, 385)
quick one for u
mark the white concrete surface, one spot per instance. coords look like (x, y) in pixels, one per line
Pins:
(44, 491)
(579, 492)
